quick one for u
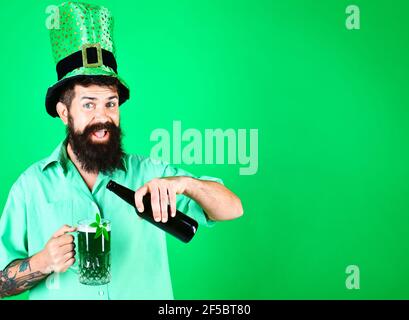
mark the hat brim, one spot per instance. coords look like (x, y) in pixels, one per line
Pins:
(54, 92)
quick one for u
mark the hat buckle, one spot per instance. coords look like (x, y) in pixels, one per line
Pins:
(85, 62)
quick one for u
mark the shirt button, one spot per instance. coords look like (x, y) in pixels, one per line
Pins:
(101, 293)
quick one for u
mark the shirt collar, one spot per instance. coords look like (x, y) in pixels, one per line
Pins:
(59, 155)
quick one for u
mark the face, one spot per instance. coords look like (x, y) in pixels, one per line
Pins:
(93, 130)
(92, 105)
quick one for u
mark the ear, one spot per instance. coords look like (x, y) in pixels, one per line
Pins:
(62, 111)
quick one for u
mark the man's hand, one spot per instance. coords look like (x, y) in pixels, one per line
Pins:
(22, 275)
(163, 193)
(58, 254)
(218, 202)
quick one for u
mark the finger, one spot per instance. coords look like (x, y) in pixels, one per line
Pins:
(139, 196)
(64, 229)
(155, 203)
(67, 248)
(65, 239)
(68, 256)
(164, 199)
(68, 264)
(172, 200)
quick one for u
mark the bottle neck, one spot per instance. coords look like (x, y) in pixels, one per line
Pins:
(123, 192)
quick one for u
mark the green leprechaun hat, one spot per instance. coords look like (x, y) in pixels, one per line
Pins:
(83, 46)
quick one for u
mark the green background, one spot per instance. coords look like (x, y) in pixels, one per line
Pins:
(331, 107)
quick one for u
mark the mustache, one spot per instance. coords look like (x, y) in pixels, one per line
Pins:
(108, 126)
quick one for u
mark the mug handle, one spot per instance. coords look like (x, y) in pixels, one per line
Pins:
(74, 267)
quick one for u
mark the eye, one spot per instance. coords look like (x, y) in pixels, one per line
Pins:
(88, 105)
(111, 104)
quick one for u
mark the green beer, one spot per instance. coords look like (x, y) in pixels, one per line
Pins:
(94, 253)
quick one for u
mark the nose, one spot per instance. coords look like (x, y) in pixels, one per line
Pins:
(100, 114)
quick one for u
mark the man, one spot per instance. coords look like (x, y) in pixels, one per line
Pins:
(37, 247)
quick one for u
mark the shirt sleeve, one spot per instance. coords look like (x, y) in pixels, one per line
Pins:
(185, 204)
(13, 227)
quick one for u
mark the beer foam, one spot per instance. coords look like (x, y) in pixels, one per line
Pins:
(88, 229)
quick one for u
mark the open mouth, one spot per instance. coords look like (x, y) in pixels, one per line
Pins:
(101, 134)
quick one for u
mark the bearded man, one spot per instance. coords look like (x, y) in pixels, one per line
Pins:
(38, 224)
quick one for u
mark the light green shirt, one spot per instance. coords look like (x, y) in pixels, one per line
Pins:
(52, 193)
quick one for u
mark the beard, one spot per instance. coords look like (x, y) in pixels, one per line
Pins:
(96, 156)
